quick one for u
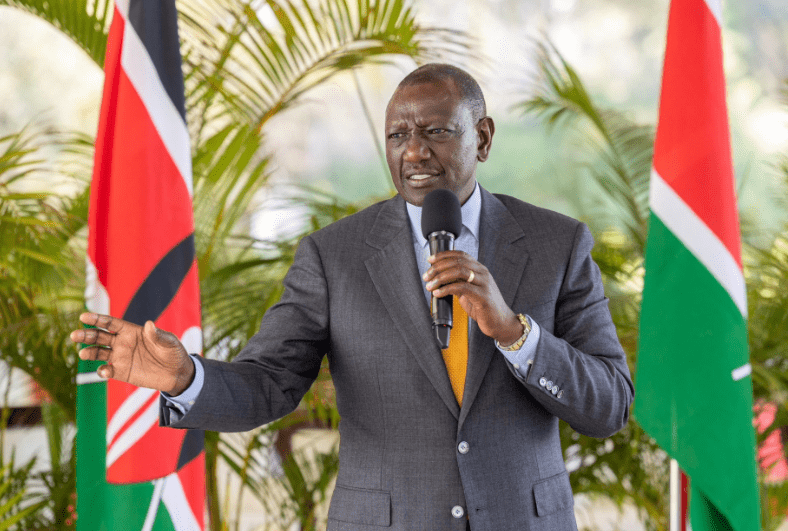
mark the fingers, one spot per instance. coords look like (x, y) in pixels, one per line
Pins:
(150, 331)
(92, 336)
(95, 354)
(100, 338)
(453, 272)
(160, 337)
(105, 371)
(107, 322)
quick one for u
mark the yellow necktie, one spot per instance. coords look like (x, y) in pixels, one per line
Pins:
(456, 356)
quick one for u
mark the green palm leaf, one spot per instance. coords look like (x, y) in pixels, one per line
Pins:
(266, 53)
(16, 504)
(41, 260)
(617, 151)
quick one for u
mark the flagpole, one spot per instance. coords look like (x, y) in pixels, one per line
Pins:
(679, 505)
(675, 496)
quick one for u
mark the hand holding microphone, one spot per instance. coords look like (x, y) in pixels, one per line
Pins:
(456, 274)
(441, 224)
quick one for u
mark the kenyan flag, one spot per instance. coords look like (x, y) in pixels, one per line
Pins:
(694, 391)
(132, 474)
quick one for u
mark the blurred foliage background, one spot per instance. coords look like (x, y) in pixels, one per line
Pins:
(284, 145)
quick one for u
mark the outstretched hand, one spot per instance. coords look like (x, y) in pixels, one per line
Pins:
(144, 356)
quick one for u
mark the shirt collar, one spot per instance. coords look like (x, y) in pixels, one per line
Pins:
(471, 213)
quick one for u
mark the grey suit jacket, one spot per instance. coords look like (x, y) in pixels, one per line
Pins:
(354, 294)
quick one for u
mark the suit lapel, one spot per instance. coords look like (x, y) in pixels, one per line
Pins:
(396, 277)
(502, 249)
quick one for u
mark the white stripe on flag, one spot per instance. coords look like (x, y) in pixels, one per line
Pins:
(178, 505)
(96, 296)
(123, 7)
(163, 113)
(135, 432)
(89, 378)
(192, 340)
(130, 406)
(155, 501)
(715, 6)
(698, 238)
(741, 372)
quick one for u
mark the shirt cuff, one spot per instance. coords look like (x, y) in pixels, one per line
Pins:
(523, 358)
(181, 404)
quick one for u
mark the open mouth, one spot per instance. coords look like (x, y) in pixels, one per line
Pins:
(421, 178)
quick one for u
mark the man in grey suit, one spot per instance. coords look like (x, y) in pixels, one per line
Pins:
(416, 454)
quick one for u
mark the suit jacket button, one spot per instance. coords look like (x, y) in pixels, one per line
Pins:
(554, 390)
(463, 447)
(549, 385)
(457, 511)
(542, 381)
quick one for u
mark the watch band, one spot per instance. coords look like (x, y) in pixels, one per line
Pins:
(519, 343)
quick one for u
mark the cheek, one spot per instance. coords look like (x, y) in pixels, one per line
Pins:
(464, 158)
(392, 160)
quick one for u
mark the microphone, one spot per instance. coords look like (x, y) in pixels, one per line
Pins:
(441, 223)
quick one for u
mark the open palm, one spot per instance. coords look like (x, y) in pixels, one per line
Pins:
(144, 356)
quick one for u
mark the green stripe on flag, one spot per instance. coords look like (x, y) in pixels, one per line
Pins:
(125, 515)
(91, 450)
(102, 506)
(692, 336)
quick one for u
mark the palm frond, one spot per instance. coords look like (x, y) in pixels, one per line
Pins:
(86, 22)
(16, 504)
(616, 152)
(40, 264)
(245, 279)
(265, 54)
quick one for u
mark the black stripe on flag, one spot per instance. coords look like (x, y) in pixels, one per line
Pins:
(158, 290)
(193, 444)
(156, 23)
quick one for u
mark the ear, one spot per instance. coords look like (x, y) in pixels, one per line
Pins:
(485, 129)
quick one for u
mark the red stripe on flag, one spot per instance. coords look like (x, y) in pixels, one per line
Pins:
(192, 477)
(100, 188)
(692, 151)
(149, 210)
(153, 456)
(140, 209)
(184, 310)
(156, 453)
(116, 400)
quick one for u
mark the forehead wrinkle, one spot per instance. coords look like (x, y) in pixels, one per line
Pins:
(423, 114)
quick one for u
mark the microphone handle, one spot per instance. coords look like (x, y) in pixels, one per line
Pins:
(441, 307)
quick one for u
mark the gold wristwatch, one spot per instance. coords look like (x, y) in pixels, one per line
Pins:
(519, 343)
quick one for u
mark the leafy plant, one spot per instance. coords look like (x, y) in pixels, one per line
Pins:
(16, 503)
(41, 259)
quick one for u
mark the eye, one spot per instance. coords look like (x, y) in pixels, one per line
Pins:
(396, 136)
(438, 131)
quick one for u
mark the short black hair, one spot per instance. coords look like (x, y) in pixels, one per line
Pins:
(469, 89)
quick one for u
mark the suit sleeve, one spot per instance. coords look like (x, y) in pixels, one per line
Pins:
(579, 371)
(277, 366)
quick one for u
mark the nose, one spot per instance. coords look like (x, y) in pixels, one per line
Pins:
(416, 149)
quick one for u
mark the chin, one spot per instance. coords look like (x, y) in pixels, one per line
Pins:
(416, 197)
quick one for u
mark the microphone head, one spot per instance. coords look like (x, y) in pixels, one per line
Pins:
(441, 212)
